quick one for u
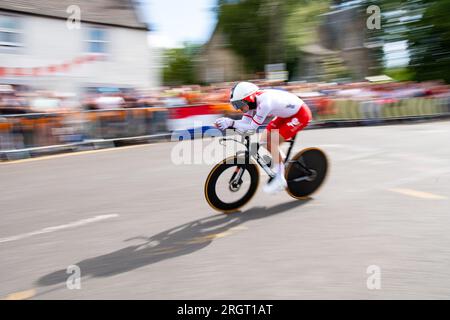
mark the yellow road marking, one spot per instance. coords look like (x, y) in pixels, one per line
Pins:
(166, 250)
(21, 295)
(76, 153)
(418, 194)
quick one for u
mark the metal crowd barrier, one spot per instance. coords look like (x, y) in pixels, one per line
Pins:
(21, 133)
(379, 110)
(37, 130)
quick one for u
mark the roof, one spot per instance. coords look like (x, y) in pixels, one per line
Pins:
(108, 12)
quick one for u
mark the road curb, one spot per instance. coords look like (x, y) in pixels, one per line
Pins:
(97, 144)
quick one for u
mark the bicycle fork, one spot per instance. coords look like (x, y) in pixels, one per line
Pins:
(236, 179)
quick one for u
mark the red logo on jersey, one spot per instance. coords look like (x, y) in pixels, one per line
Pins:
(294, 122)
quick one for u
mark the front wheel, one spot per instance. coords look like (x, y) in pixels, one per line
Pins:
(306, 172)
(231, 184)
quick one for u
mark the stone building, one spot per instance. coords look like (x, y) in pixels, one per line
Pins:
(217, 62)
(344, 30)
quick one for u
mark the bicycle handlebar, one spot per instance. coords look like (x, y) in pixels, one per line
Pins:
(246, 132)
(222, 140)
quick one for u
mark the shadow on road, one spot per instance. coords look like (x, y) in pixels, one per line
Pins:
(181, 240)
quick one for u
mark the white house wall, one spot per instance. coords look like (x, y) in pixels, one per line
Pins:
(48, 41)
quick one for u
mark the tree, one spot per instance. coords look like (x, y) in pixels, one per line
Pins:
(269, 31)
(246, 26)
(426, 28)
(301, 28)
(429, 42)
(179, 65)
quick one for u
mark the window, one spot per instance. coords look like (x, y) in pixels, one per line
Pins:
(10, 32)
(97, 41)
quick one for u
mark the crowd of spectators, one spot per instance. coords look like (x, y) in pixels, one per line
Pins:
(19, 99)
(55, 118)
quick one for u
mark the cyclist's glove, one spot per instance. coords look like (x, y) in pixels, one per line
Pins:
(224, 123)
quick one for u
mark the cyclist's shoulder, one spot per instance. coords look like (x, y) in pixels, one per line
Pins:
(277, 95)
(267, 93)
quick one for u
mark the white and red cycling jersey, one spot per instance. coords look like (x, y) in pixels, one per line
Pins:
(290, 112)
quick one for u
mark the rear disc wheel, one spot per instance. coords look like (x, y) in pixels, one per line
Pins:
(306, 172)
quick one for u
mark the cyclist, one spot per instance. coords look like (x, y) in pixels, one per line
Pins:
(291, 115)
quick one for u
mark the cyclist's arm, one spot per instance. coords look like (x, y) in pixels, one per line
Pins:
(248, 116)
(247, 123)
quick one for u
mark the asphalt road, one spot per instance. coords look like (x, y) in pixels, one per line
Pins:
(138, 226)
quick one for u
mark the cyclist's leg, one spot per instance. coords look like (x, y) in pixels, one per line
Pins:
(294, 124)
(272, 138)
(278, 131)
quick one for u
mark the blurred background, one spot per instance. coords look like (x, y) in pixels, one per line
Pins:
(64, 64)
(79, 75)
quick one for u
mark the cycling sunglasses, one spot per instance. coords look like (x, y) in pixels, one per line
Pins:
(238, 105)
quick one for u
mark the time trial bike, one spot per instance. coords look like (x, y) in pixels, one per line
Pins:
(233, 182)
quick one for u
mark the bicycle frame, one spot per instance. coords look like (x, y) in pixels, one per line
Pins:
(305, 172)
(252, 150)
